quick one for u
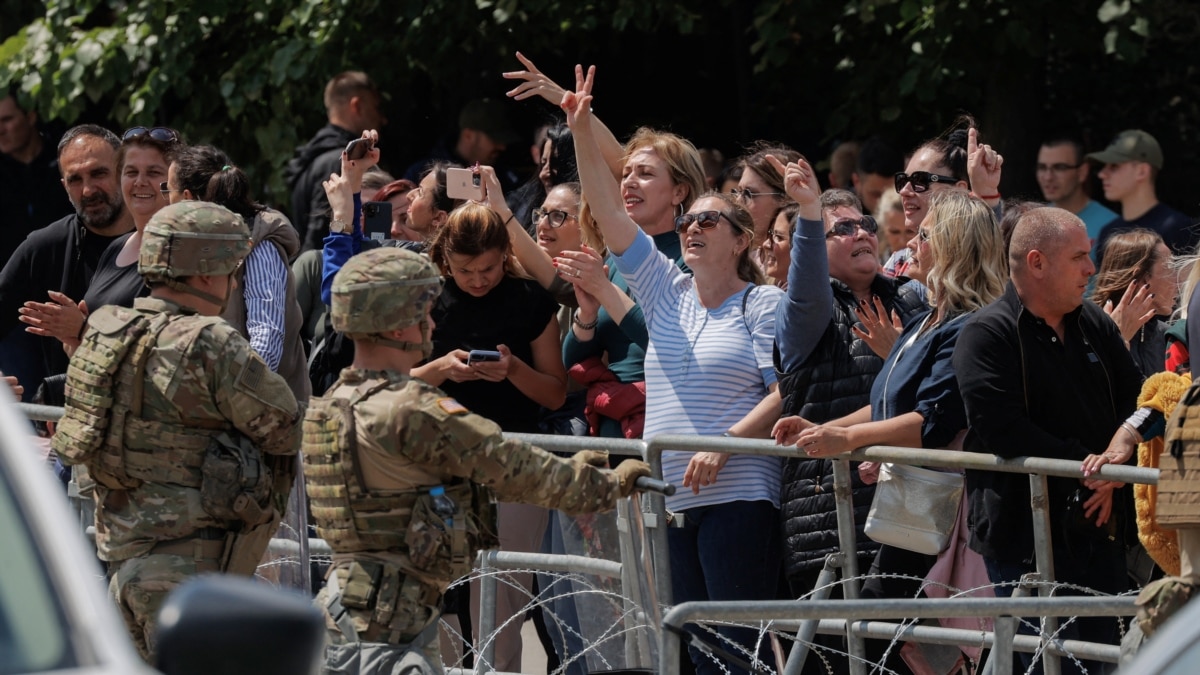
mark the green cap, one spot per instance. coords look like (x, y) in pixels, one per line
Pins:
(193, 238)
(383, 289)
(1133, 145)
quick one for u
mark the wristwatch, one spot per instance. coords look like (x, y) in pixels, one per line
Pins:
(339, 226)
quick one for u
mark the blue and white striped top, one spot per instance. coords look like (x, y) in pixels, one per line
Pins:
(706, 369)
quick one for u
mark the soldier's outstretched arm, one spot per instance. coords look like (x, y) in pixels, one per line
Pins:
(257, 401)
(444, 434)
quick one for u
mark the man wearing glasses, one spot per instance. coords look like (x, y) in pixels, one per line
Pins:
(1062, 174)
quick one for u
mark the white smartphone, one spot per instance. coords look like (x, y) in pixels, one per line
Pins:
(463, 184)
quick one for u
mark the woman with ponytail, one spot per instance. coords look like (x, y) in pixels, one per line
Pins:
(266, 310)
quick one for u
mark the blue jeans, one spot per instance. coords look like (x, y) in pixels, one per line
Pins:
(729, 551)
(1092, 564)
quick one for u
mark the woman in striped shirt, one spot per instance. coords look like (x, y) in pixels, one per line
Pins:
(708, 372)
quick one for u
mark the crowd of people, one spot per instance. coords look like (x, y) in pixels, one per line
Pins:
(627, 290)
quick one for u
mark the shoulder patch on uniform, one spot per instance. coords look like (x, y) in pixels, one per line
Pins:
(252, 374)
(451, 406)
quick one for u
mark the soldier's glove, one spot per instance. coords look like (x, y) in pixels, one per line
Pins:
(596, 458)
(628, 472)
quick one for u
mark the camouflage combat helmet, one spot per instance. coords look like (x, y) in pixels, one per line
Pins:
(193, 238)
(385, 289)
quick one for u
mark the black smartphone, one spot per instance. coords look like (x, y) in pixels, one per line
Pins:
(359, 147)
(481, 355)
(377, 220)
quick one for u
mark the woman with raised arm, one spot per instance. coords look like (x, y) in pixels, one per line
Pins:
(708, 372)
(956, 159)
(958, 253)
(661, 175)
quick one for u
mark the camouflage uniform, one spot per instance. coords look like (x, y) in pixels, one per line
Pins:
(379, 447)
(148, 392)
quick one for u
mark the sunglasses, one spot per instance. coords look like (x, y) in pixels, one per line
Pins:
(747, 196)
(921, 180)
(705, 220)
(166, 189)
(160, 134)
(846, 227)
(557, 218)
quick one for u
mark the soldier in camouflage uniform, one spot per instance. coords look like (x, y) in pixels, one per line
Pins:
(400, 477)
(169, 408)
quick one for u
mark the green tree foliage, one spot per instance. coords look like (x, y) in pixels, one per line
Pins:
(247, 74)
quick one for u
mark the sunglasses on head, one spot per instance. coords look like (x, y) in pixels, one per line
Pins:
(557, 218)
(846, 227)
(746, 196)
(921, 180)
(160, 134)
(705, 220)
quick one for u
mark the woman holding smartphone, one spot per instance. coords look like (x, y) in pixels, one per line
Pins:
(487, 304)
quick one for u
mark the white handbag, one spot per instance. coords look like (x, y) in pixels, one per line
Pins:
(914, 508)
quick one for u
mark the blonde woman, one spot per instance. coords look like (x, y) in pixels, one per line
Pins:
(958, 253)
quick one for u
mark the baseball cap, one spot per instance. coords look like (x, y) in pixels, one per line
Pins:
(490, 117)
(1133, 145)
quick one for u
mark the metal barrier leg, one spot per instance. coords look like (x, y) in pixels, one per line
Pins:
(637, 647)
(487, 615)
(1044, 553)
(844, 496)
(1001, 658)
(808, 628)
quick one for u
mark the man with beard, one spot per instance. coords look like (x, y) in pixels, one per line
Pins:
(62, 257)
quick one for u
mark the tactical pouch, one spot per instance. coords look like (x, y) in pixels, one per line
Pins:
(235, 484)
(427, 538)
(361, 584)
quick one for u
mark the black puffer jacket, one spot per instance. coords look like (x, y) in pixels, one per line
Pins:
(306, 170)
(833, 381)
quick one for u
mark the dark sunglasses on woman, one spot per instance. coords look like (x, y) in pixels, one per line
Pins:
(160, 134)
(706, 220)
(846, 227)
(921, 180)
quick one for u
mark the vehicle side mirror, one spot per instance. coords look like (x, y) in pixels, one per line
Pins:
(233, 625)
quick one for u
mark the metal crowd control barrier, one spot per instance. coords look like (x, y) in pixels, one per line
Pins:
(806, 616)
(1038, 469)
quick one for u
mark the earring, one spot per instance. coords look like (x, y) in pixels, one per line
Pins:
(680, 205)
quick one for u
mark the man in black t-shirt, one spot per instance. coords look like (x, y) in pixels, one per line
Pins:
(63, 255)
(30, 192)
(1130, 168)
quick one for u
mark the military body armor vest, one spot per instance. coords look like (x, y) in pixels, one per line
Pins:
(439, 533)
(105, 389)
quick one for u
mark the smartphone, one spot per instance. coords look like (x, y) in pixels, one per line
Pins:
(359, 147)
(463, 184)
(482, 355)
(377, 220)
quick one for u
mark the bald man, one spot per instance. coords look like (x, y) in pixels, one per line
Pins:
(1043, 373)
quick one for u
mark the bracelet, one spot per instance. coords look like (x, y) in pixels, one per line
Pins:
(1137, 438)
(511, 217)
(591, 325)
